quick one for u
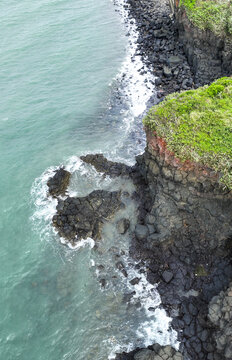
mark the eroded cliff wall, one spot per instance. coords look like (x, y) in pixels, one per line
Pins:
(188, 201)
(209, 55)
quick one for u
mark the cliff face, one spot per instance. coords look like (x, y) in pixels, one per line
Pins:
(220, 314)
(209, 55)
(188, 201)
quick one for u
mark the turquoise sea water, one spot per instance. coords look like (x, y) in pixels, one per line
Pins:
(58, 59)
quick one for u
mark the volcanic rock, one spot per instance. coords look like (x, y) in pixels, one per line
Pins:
(57, 185)
(101, 164)
(82, 217)
(123, 225)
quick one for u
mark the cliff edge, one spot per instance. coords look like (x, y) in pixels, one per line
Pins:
(205, 29)
(188, 165)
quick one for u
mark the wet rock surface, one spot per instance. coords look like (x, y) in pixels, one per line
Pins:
(57, 185)
(101, 164)
(186, 290)
(189, 259)
(220, 314)
(82, 217)
(155, 352)
(159, 46)
(191, 270)
(123, 225)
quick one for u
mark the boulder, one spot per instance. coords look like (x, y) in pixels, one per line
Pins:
(101, 164)
(220, 314)
(158, 353)
(167, 71)
(145, 354)
(141, 232)
(57, 185)
(167, 276)
(174, 60)
(122, 226)
(135, 281)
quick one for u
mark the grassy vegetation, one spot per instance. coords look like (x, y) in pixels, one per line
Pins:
(197, 126)
(215, 15)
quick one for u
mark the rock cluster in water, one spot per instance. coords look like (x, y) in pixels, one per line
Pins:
(82, 217)
(101, 164)
(57, 184)
(189, 270)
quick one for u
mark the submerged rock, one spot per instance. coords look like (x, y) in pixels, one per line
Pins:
(82, 217)
(123, 225)
(57, 185)
(105, 166)
(155, 352)
(135, 281)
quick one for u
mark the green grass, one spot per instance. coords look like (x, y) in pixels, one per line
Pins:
(214, 15)
(197, 126)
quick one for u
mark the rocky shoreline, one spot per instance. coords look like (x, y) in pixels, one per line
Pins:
(159, 46)
(186, 250)
(190, 273)
(187, 273)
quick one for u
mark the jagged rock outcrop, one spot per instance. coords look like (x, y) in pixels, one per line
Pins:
(155, 352)
(82, 217)
(220, 314)
(57, 185)
(101, 164)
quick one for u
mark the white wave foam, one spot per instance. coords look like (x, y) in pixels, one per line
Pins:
(136, 89)
(45, 206)
(137, 78)
(117, 348)
(80, 244)
(156, 325)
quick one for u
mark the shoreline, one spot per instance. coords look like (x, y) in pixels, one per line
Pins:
(185, 292)
(184, 295)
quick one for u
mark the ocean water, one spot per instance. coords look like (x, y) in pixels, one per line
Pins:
(70, 85)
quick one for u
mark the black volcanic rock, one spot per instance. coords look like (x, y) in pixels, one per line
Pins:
(123, 225)
(57, 185)
(82, 217)
(101, 164)
(167, 276)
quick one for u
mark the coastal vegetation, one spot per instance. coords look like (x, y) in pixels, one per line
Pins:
(197, 126)
(214, 15)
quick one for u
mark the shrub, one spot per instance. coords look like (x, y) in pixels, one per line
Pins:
(214, 15)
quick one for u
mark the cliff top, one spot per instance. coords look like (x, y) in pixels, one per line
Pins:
(197, 126)
(214, 15)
